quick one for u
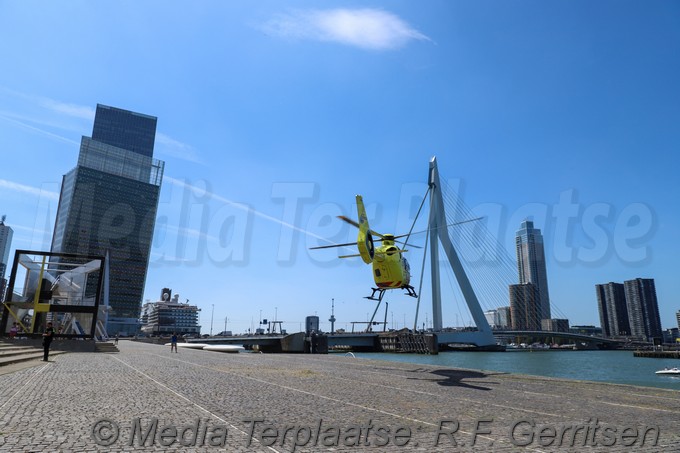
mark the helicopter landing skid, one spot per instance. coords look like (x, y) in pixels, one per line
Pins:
(380, 291)
(410, 291)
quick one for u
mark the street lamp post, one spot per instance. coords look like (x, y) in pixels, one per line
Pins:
(211, 318)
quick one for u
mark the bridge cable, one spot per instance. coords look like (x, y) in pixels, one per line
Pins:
(420, 285)
(416, 218)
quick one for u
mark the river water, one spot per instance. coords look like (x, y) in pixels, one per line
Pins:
(617, 367)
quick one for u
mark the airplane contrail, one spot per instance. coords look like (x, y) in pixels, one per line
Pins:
(246, 208)
(37, 129)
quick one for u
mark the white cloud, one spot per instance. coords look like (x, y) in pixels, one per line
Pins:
(45, 117)
(372, 29)
(174, 148)
(28, 190)
(72, 110)
(77, 111)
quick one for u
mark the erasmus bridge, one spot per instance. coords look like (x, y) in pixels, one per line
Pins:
(478, 269)
(482, 269)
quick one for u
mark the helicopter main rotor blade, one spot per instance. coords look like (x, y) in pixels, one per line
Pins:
(399, 242)
(382, 237)
(450, 224)
(356, 224)
(350, 256)
(334, 245)
(348, 220)
(349, 244)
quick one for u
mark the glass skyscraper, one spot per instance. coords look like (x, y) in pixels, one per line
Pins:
(5, 244)
(531, 265)
(108, 204)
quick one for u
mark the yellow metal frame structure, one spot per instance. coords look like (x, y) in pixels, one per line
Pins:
(79, 267)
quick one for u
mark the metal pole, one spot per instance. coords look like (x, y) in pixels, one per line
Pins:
(211, 319)
(370, 323)
(387, 304)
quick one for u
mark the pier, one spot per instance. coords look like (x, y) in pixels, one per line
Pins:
(399, 341)
(658, 354)
(143, 397)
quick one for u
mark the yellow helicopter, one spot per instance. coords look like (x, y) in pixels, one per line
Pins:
(390, 269)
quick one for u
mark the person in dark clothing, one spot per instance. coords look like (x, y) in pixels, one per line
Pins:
(173, 342)
(47, 340)
(314, 341)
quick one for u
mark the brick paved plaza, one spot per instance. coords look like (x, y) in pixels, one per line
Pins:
(146, 398)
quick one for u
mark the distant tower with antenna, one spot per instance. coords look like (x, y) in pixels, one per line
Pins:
(332, 318)
(5, 244)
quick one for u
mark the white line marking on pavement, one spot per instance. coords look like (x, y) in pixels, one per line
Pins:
(187, 399)
(380, 411)
(23, 386)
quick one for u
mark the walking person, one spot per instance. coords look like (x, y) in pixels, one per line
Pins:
(47, 340)
(173, 342)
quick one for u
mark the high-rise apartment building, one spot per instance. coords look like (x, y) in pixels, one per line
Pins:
(5, 244)
(524, 309)
(555, 325)
(108, 204)
(492, 318)
(504, 318)
(531, 264)
(643, 308)
(677, 317)
(611, 302)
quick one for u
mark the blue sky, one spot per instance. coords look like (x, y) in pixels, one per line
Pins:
(273, 115)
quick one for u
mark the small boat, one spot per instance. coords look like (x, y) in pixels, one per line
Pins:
(223, 348)
(189, 345)
(675, 371)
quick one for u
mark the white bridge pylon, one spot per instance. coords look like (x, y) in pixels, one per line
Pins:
(439, 233)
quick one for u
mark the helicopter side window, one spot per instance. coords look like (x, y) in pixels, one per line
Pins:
(377, 272)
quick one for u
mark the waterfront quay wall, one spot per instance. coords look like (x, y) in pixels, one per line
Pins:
(300, 342)
(658, 354)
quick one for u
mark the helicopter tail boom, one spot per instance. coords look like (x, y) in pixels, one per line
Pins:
(365, 238)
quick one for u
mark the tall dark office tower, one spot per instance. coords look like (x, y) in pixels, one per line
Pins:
(5, 244)
(643, 308)
(677, 317)
(524, 309)
(108, 203)
(611, 301)
(531, 264)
